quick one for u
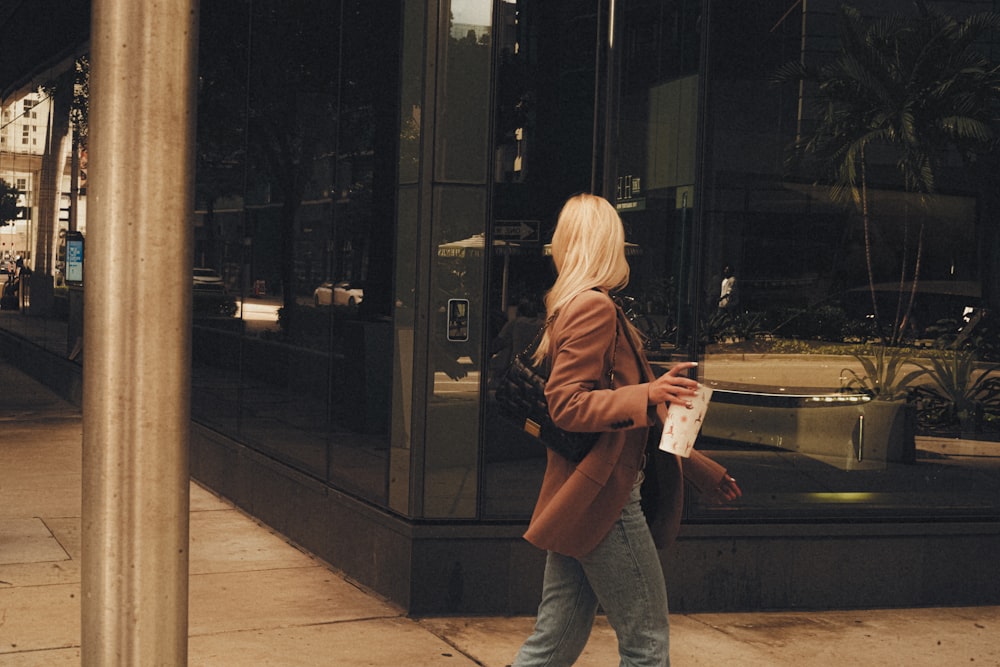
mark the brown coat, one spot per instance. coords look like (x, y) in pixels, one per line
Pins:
(577, 505)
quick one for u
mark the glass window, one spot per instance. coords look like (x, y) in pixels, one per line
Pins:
(744, 259)
(457, 308)
(298, 140)
(848, 340)
(797, 289)
(543, 152)
(463, 97)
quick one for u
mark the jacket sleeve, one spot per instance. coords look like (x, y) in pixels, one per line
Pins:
(579, 391)
(702, 472)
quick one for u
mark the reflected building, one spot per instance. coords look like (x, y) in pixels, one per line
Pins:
(20, 165)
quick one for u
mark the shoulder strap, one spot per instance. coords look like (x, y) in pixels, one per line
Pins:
(533, 345)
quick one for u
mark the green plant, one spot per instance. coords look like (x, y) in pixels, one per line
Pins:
(723, 326)
(913, 87)
(859, 330)
(979, 332)
(963, 390)
(820, 322)
(884, 377)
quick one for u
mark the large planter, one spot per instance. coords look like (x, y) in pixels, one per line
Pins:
(846, 431)
(958, 446)
(886, 432)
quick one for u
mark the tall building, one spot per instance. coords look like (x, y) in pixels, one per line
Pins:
(23, 128)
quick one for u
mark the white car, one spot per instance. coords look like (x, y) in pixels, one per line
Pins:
(203, 276)
(343, 293)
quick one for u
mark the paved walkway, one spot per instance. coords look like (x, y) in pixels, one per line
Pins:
(255, 599)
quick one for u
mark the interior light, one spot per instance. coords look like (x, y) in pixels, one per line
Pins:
(842, 497)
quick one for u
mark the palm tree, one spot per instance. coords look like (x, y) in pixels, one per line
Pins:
(914, 87)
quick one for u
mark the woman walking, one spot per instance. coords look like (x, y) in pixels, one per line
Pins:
(589, 517)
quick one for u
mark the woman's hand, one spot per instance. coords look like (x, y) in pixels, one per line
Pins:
(725, 491)
(673, 387)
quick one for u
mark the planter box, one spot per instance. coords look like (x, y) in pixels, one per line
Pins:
(957, 446)
(848, 431)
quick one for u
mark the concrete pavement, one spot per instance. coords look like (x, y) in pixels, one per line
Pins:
(256, 599)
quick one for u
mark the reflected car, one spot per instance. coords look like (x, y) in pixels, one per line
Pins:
(205, 276)
(343, 293)
(211, 298)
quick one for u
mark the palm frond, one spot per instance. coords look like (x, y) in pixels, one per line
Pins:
(883, 375)
(955, 380)
(961, 128)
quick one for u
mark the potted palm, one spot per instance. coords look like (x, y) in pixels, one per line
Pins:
(961, 392)
(888, 421)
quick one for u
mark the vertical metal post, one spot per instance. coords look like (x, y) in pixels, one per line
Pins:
(861, 438)
(137, 333)
(702, 181)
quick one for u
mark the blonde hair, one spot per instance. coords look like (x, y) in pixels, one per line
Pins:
(588, 248)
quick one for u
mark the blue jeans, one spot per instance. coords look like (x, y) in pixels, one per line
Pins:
(624, 576)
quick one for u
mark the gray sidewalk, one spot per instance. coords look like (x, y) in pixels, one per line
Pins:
(255, 599)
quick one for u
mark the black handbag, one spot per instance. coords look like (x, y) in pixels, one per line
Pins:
(520, 398)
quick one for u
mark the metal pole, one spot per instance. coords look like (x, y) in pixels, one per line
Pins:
(703, 167)
(137, 334)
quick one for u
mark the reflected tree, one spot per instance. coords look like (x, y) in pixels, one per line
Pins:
(292, 107)
(221, 152)
(267, 106)
(911, 90)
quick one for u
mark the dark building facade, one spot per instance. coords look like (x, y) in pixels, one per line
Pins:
(377, 182)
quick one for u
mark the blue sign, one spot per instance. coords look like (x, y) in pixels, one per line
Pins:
(74, 258)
